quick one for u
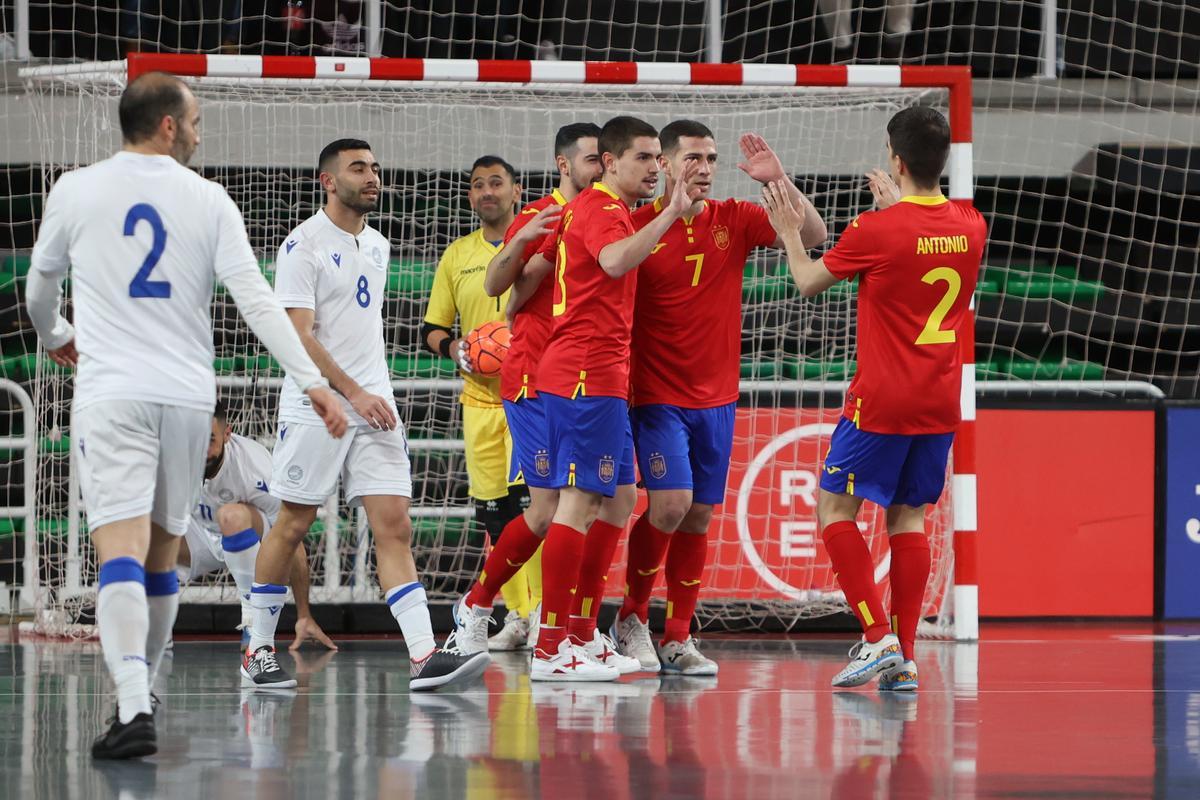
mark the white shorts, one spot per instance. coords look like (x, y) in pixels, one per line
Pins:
(140, 458)
(204, 551)
(307, 461)
(206, 548)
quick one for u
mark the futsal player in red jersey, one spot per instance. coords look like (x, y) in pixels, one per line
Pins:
(583, 380)
(917, 261)
(578, 161)
(689, 291)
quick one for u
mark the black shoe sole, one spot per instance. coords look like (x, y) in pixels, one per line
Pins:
(137, 748)
(283, 683)
(469, 670)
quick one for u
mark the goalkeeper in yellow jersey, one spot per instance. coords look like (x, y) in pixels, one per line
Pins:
(458, 292)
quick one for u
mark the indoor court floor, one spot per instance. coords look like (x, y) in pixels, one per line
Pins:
(1085, 711)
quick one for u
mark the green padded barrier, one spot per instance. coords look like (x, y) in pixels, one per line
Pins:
(421, 365)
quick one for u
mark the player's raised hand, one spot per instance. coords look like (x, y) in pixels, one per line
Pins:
(761, 162)
(785, 217)
(885, 190)
(546, 221)
(307, 630)
(681, 193)
(375, 410)
(329, 409)
(65, 356)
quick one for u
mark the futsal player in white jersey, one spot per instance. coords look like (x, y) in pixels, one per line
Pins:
(235, 509)
(143, 237)
(330, 275)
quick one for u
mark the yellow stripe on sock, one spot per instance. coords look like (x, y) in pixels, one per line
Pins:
(670, 609)
(551, 619)
(585, 608)
(483, 577)
(895, 623)
(868, 620)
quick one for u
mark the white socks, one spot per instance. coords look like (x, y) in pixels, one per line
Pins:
(241, 551)
(123, 619)
(266, 601)
(162, 600)
(411, 610)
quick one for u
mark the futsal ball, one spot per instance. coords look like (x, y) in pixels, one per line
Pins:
(487, 346)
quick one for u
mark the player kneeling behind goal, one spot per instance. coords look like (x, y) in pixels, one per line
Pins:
(235, 510)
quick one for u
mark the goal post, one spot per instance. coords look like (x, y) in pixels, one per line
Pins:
(264, 119)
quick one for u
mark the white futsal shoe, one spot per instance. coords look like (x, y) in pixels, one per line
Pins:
(632, 637)
(604, 650)
(513, 636)
(570, 663)
(685, 658)
(868, 660)
(470, 628)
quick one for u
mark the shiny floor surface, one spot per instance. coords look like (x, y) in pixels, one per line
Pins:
(1032, 711)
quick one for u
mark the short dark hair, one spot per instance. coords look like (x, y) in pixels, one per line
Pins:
(921, 137)
(335, 148)
(144, 103)
(221, 412)
(669, 136)
(618, 134)
(494, 161)
(568, 136)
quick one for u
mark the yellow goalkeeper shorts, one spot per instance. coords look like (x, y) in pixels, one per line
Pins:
(489, 451)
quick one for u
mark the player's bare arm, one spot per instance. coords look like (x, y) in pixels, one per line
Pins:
(764, 166)
(505, 266)
(374, 409)
(307, 628)
(621, 257)
(811, 277)
(536, 269)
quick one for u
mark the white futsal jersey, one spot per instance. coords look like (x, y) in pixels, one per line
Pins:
(244, 477)
(342, 278)
(144, 237)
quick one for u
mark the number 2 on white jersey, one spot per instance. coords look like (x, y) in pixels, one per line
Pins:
(141, 285)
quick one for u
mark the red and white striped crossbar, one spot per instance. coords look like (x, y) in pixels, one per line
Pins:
(956, 79)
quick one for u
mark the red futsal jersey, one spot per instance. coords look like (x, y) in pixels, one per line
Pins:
(531, 324)
(687, 327)
(917, 263)
(588, 350)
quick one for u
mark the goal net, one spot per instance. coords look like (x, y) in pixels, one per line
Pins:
(264, 120)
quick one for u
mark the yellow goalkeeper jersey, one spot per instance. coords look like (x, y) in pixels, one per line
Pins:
(458, 292)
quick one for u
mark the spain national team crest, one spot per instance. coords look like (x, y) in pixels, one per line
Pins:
(541, 463)
(658, 465)
(608, 469)
(720, 236)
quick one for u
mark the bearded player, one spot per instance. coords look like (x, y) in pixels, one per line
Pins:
(684, 397)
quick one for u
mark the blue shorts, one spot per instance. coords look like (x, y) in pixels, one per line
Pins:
(887, 468)
(590, 441)
(530, 450)
(685, 448)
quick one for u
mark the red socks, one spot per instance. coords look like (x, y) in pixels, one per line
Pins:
(855, 572)
(685, 570)
(561, 556)
(909, 574)
(517, 545)
(598, 551)
(647, 546)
